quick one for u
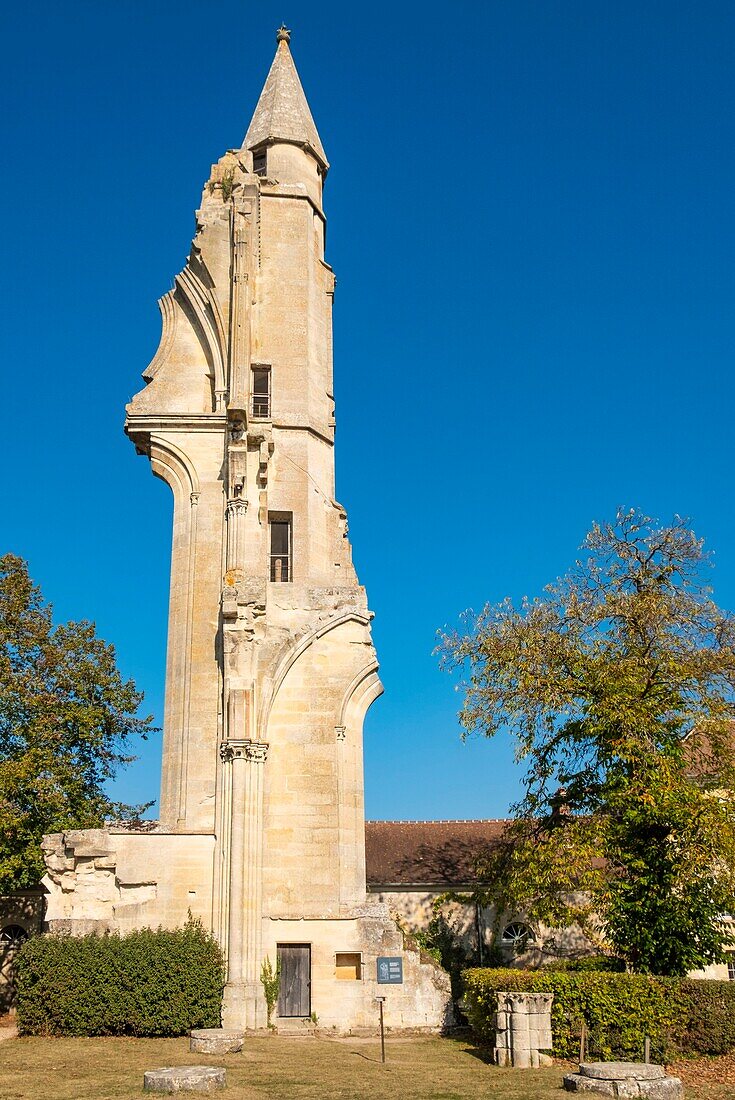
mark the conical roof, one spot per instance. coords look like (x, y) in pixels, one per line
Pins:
(282, 113)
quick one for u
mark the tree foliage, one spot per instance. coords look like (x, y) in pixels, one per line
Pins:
(619, 688)
(67, 719)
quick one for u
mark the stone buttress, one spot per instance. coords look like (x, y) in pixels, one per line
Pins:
(270, 662)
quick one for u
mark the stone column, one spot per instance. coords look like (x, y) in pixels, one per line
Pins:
(523, 1029)
(236, 512)
(243, 1000)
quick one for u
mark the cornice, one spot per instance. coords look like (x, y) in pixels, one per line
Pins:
(174, 422)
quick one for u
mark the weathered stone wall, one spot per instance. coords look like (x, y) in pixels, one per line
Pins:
(422, 1001)
(414, 909)
(314, 834)
(100, 879)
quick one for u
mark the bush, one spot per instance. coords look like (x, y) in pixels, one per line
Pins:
(710, 1021)
(145, 983)
(678, 1015)
(587, 963)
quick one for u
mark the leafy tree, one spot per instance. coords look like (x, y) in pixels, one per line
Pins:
(619, 688)
(445, 945)
(66, 720)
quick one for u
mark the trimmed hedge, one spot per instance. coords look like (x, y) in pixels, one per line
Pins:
(145, 983)
(679, 1015)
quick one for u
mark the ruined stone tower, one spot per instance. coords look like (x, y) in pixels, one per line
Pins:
(270, 666)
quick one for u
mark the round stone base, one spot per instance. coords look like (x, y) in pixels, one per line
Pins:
(216, 1040)
(184, 1079)
(629, 1079)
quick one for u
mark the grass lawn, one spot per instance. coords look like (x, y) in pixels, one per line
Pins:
(273, 1067)
(278, 1068)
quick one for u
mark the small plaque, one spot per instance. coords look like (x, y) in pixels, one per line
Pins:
(390, 970)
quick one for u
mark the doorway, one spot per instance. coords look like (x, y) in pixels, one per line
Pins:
(294, 995)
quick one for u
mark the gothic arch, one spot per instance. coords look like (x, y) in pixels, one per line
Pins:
(174, 467)
(292, 654)
(360, 695)
(205, 316)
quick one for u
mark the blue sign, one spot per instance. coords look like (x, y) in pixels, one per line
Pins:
(390, 970)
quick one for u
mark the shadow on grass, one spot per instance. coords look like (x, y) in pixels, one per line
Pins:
(483, 1054)
(366, 1057)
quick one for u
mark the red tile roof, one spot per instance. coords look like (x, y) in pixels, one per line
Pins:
(426, 853)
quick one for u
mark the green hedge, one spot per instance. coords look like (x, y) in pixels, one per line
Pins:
(678, 1015)
(145, 983)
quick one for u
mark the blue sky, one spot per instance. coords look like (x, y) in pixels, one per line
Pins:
(531, 220)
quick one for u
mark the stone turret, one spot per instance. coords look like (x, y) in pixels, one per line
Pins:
(270, 666)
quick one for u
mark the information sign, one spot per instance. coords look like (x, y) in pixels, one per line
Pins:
(390, 970)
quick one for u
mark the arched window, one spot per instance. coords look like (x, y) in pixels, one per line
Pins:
(13, 936)
(517, 935)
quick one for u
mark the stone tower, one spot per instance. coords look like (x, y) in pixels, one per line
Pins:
(270, 666)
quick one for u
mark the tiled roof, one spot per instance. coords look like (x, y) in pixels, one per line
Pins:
(426, 853)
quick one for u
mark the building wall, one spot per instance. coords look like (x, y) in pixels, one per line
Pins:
(414, 909)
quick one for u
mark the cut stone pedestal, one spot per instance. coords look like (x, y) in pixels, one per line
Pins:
(628, 1079)
(216, 1040)
(523, 1029)
(184, 1079)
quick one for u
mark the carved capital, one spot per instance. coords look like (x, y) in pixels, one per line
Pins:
(341, 732)
(255, 752)
(237, 507)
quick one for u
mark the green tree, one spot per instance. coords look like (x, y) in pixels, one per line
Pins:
(618, 686)
(66, 720)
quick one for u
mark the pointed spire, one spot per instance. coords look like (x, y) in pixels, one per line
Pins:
(282, 113)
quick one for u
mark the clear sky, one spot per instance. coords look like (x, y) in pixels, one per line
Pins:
(532, 223)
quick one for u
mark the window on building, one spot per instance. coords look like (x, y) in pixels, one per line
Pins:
(348, 966)
(260, 162)
(516, 935)
(13, 936)
(731, 970)
(281, 540)
(261, 393)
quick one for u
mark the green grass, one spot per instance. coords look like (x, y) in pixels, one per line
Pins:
(269, 1067)
(278, 1068)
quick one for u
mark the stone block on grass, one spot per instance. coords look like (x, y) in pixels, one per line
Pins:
(216, 1040)
(184, 1079)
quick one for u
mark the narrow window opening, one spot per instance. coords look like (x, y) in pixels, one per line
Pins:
(348, 966)
(281, 541)
(260, 162)
(261, 393)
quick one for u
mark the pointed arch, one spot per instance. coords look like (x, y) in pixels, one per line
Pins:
(174, 467)
(205, 315)
(365, 688)
(291, 656)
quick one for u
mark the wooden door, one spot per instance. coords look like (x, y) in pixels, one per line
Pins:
(294, 996)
